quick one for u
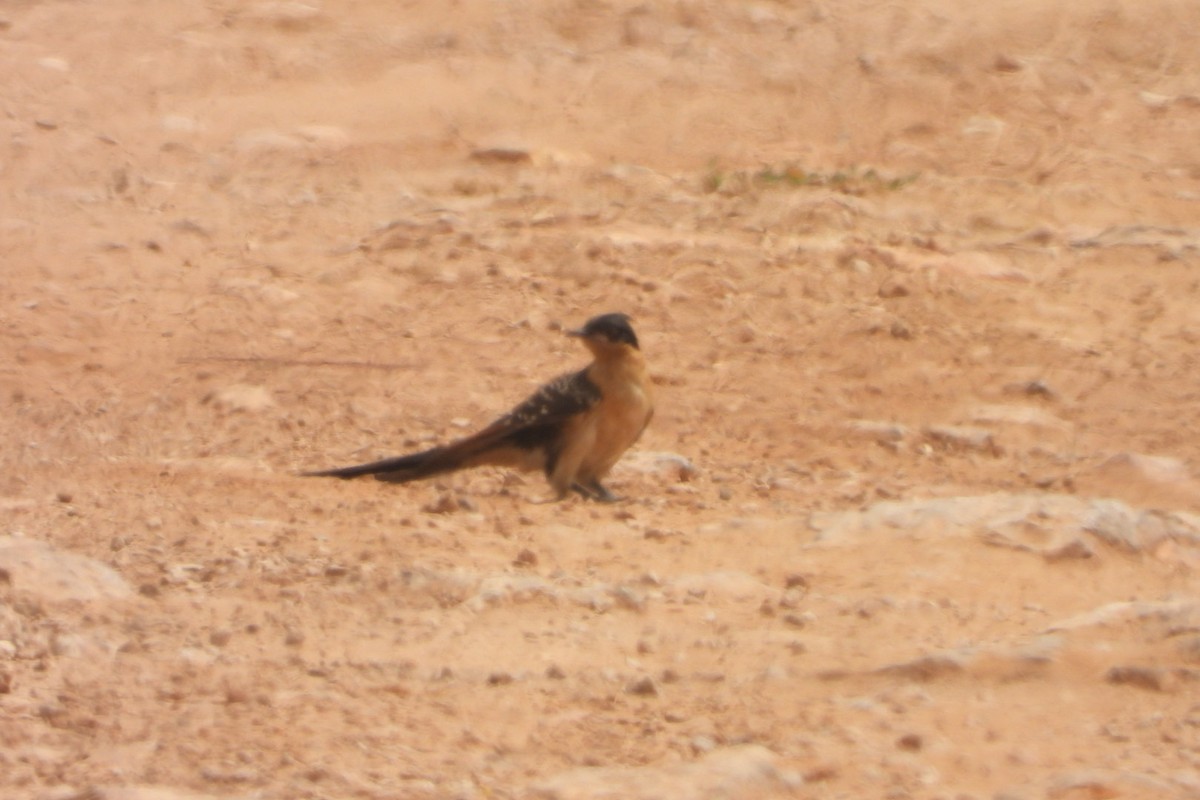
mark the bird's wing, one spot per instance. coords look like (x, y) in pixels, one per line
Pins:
(537, 421)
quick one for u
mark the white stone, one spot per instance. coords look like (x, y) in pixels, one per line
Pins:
(37, 568)
(727, 773)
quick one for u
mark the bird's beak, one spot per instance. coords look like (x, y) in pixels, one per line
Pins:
(576, 332)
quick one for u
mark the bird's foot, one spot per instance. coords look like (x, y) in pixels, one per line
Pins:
(594, 490)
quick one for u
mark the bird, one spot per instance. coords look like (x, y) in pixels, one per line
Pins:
(574, 428)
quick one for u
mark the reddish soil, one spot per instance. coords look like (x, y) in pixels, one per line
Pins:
(875, 253)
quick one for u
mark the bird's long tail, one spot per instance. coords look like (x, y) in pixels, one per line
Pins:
(488, 446)
(401, 469)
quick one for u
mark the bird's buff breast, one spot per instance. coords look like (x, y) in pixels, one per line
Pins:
(619, 420)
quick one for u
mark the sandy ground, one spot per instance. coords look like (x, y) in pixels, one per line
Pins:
(918, 515)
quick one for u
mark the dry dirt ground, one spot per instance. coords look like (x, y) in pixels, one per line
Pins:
(918, 515)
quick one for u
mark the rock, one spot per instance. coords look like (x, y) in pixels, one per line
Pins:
(1034, 388)
(37, 568)
(795, 580)
(1048, 524)
(1188, 649)
(668, 465)
(1161, 474)
(1032, 416)
(1154, 100)
(1159, 468)
(151, 793)
(502, 155)
(1005, 63)
(628, 598)
(54, 64)
(661, 535)
(329, 137)
(961, 515)
(886, 433)
(525, 558)
(287, 16)
(643, 687)
(446, 503)
(731, 584)
(266, 141)
(746, 771)
(499, 590)
(962, 437)
(1154, 678)
(502, 589)
(927, 668)
(1169, 616)
(241, 397)
(1114, 523)
(1071, 550)
(983, 125)
(993, 662)
(81, 646)
(979, 265)
(1134, 530)
(177, 123)
(1100, 783)
(226, 775)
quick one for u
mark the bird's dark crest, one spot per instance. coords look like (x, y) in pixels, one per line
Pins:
(614, 327)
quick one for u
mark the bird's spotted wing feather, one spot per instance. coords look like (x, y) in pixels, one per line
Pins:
(539, 419)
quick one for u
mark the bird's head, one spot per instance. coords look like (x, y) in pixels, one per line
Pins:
(607, 334)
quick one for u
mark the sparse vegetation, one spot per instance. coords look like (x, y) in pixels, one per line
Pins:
(853, 181)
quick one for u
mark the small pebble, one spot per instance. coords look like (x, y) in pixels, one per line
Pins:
(795, 580)
(1142, 677)
(501, 155)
